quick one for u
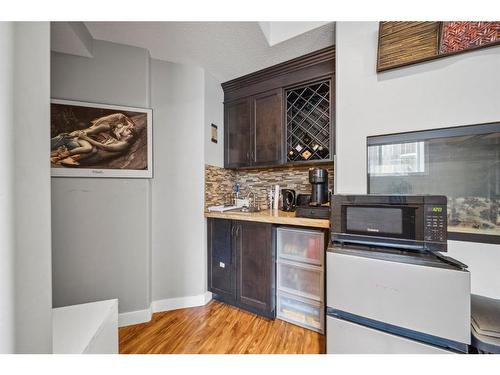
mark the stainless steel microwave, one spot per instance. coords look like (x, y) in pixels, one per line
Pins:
(409, 222)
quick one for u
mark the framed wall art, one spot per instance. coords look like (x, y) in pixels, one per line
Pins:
(100, 140)
(403, 43)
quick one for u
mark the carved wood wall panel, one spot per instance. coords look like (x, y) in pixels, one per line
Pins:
(404, 43)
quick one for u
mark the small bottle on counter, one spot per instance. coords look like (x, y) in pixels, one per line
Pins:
(276, 197)
(270, 197)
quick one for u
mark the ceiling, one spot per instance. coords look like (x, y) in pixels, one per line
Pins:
(225, 49)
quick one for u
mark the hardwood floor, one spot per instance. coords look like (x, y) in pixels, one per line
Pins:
(217, 328)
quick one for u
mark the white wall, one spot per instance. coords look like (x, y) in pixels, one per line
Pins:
(178, 244)
(33, 297)
(214, 114)
(101, 226)
(7, 292)
(25, 248)
(459, 90)
(279, 31)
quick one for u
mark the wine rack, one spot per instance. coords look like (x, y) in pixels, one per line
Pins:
(308, 118)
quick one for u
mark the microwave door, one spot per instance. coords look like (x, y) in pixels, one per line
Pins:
(381, 221)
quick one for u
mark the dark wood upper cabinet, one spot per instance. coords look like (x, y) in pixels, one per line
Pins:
(267, 128)
(237, 133)
(256, 115)
(253, 130)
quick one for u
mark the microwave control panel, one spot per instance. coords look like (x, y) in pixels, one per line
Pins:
(435, 223)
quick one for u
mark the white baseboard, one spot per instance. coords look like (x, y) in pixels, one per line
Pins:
(208, 297)
(143, 316)
(134, 317)
(181, 302)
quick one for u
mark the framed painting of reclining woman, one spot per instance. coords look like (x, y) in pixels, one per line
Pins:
(100, 140)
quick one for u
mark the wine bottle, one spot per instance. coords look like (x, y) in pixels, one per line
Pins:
(306, 154)
(299, 147)
(322, 152)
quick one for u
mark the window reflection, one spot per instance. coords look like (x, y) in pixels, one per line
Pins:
(396, 159)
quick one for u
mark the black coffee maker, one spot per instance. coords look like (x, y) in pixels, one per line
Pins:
(318, 178)
(316, 205)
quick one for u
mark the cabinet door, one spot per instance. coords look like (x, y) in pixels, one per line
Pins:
(255, 284)
(267, 129)
(237, 133)
(221, 259)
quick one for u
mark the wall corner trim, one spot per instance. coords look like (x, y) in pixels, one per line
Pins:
(143, 316)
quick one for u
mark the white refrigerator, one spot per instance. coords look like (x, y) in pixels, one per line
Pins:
(389, 302)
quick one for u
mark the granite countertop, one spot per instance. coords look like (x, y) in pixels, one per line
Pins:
(271, 216)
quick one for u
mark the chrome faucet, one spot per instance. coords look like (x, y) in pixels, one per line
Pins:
(251, 199)
(253, 206)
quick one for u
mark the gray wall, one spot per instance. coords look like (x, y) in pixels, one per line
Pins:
(136, 240)
(25, 285)
(459, 90)
(214, 114)
(101, 232)
(178, 187)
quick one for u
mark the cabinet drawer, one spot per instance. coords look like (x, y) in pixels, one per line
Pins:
(351, 338)
(301, 311)
(301, 279)
(301, 245)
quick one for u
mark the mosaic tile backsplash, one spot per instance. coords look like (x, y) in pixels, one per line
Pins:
(220, 181)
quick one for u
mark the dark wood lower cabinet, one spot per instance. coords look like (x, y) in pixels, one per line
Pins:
(221, 274)
(255, 267)
(249, 280)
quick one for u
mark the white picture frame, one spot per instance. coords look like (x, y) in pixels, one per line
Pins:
(58, 170)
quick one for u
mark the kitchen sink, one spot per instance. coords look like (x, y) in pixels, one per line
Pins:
(249, 209)
(245, 209)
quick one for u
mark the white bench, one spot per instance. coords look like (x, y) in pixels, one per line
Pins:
(90, 328)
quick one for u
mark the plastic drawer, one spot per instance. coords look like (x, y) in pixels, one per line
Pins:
(301, 311)
(301, 245)
(301, 279)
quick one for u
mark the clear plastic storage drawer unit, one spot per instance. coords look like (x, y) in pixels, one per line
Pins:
(301, 245)
(301, 279)
(301, 311)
